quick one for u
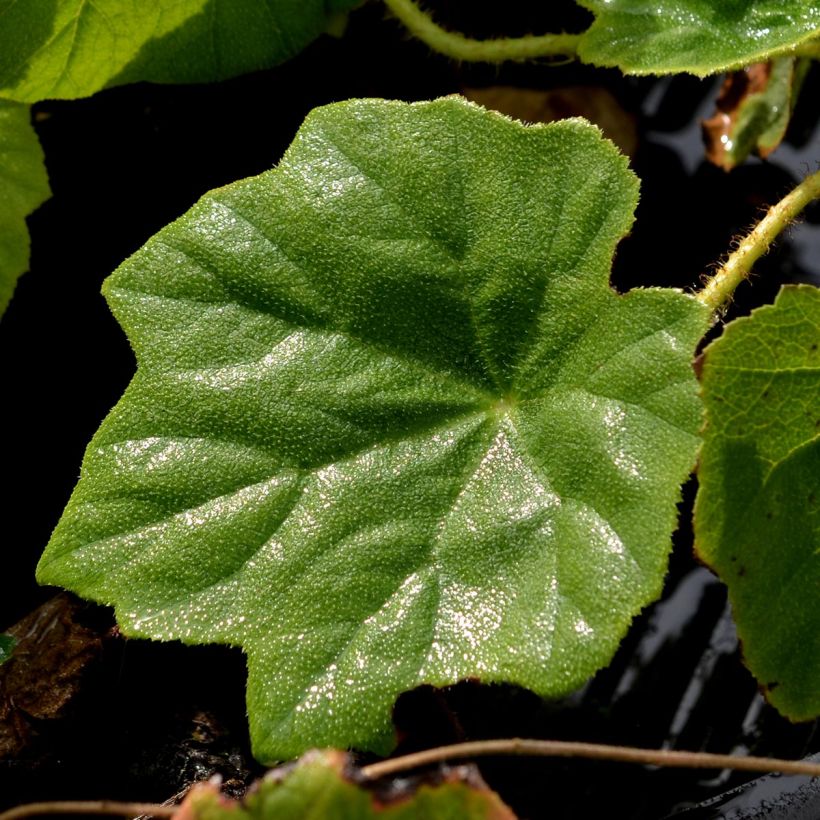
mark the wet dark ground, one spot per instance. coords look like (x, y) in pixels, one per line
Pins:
(148, 718)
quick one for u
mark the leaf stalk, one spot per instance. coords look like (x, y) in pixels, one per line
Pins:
(718, 289)
(466, 49)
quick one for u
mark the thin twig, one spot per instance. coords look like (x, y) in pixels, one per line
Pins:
(459, 47)
(480, 748)
(88, 807)
(719, 288)
(594, 751)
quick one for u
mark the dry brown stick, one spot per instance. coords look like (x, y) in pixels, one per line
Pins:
(595, 751)
(479, 748)
(88, 807)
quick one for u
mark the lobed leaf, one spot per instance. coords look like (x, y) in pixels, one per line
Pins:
(697, 36)
(325, 784)
(23, 188)
(757, 516)
(72, 48)
(390, 424)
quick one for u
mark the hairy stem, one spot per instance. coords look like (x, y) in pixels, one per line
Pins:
(459, 47)
(88, 807)
(595, 751)
(718, 289)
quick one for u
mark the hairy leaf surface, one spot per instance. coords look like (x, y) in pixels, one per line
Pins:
(325, 784)
(757, 517)
(390, 424)
(71, 48)
(23, 188)
(696, 36)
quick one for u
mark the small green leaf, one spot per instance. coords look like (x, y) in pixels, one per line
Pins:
(326, 785)
(7, 644)
(72, 48)
(757, 517)
(754, 110)
(696, 36)
(763, 122)
(390, 424)
(23, 188)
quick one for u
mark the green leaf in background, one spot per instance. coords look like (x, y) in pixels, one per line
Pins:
(757, 516)
(754, 109)
(72, 48)
(696, 36)
(23, 188)
(390, 424)
(7, 644)
(326, 784)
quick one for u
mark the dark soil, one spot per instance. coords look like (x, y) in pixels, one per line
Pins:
(138, 720)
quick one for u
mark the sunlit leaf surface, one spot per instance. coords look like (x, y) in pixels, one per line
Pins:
(71, 48)
(391, 425)
(696, 36)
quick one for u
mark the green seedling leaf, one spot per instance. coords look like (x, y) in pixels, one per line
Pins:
(325, 784)
(390, 424)
(697, 36)
(753, 111)
(7, 644)
(72, 48)
(23, 188)
(757, 516)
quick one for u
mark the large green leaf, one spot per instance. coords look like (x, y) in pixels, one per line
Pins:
(390, 424)
(23, 187)
(72, 48)
(697, 36)
(757, 517)
(326, 785)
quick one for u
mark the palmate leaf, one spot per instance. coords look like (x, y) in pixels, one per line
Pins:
(757, 516)
(325, 784)
(72, 48)
(390, 424)
(696, 36)
(23, 188)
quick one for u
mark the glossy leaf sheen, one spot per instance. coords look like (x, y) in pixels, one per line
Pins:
(696, 36)
(323, 785)
(390, 424)
(72, 48)
(23, 187)
(757, 517)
